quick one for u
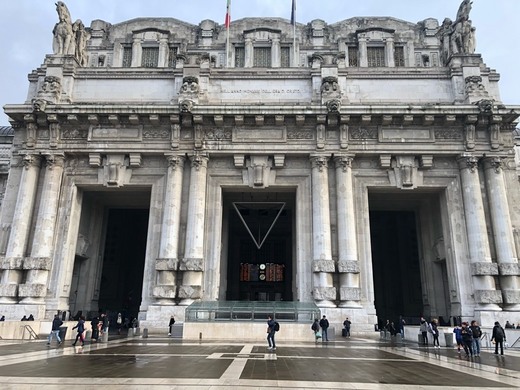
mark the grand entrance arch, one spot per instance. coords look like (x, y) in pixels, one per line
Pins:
(109, 275)
(260, 246)
(409, 266)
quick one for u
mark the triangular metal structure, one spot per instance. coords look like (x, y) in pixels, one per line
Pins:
(243, 208)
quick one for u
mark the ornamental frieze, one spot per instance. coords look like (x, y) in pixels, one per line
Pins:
(156, 134)
(217, 134)
(363, 133)
(300, 134)
(454, 134)
(74, 134)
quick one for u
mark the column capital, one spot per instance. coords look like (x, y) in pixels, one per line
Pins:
(344, 161)
(468, 162)
(55, 160)
(175, 161)
(199, 161)
(319, 161)
(31, 160)
(495, 163)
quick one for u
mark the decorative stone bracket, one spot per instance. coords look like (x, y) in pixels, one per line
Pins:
(403, 171)
(49, 93)
(113, 170)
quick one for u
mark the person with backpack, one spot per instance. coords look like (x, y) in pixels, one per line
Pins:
(346, 327)
(477, 333)
(271, 330)
(324, 324)
(498, 337)
(316, 329)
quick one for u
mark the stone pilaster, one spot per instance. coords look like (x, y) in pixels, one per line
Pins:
(13, 261)
(322, 266)
(348, 265)
(167, 263)
(485, 295)
(192, 264)
(38, 265)
(503, 233)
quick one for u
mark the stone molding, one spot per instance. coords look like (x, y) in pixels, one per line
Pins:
(12, 263)
(166, 264)
(9, 290)
(163, 291)
(480, 269)
(350, 294)
(488, 296)
(349, 266)
(511, 296)
(509, 269)
(190, 292)
(193, 264)
(323, 266)
(32, 290)
(37, 263)
(324, 293)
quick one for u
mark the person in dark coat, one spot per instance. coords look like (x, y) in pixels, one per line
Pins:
(80, 326)
(435, 333)
(324, 325)
(498, 337)
(55, 331)
(94, 323)
(346, 326)
(170, 325)
(467, 339)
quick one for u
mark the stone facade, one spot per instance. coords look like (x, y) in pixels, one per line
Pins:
(360, 115)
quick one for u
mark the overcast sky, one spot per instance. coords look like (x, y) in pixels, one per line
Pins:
(26, 27)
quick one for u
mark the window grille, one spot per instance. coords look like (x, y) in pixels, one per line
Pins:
(262, 57)
(127, 56)
(399, 56)
(352, 56)
(240, 57)
(285, 60)
(172, 57)
(376, 56)
(150, 57)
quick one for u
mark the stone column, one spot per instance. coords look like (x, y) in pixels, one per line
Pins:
(276, 54)
(166, 264)
(163, 53)
(482, 268)
(323, 291)
(363, 56)
(13, 260)
(248, 53)
(38, 265)
(137, 53)
(192, 264)
(348, 262)
(389, 52)
(507, 260)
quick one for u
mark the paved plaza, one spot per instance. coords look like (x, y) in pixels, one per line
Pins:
(165, 363)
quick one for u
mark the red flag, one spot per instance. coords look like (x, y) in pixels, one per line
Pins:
(228, 14)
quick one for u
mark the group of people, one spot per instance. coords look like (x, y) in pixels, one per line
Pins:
(320, 329)
(509, 325)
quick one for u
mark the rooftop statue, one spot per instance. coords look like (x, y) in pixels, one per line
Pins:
(63, 42)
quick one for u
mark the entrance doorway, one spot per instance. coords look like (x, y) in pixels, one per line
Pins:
(410, 268)
(260, 246)
(123, 261)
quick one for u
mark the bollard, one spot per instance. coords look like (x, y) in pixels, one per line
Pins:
(104, 338)
(145, 333)
(130, 332)
(200, 336)
(88, 335)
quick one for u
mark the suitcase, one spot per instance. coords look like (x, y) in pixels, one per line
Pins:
(343, 333)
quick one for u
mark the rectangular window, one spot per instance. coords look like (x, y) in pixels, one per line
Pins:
(376, 56)
(262, 57)
(127, 56)
(399, 56)
(172, 57)
(150, 57)
(240, 57)
(285, 60)
(353, 56)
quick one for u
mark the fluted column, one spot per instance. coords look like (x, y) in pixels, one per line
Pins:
(38, 265)
(192, 264)
(482, 268)
(13, 261)
(167, 263)
(348, 262)
(323, 268)
(248, 53)
(507, 260)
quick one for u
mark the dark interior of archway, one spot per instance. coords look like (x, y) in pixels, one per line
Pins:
(123, 261)
(395, 260)
(247, 263)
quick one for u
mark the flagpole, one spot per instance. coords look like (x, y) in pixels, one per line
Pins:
(228, 25)
(293, 21)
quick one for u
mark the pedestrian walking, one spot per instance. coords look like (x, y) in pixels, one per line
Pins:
(119, 323)
(271, 330)
(467, 339)
(423, 328)
(55, 330)
(346, 326)
(324, 325)
(477, 334)
(458, 338)
(94, 323)
(80, 326)
(316, 329)
(170, 325)
(435, 333)
(498, 338)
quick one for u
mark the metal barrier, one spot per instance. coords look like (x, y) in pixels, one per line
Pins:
(32, 333)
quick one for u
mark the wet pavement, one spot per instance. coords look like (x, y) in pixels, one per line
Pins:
(165, 363)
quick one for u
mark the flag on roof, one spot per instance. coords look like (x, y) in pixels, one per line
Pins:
(228, 14)
(293, 12)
